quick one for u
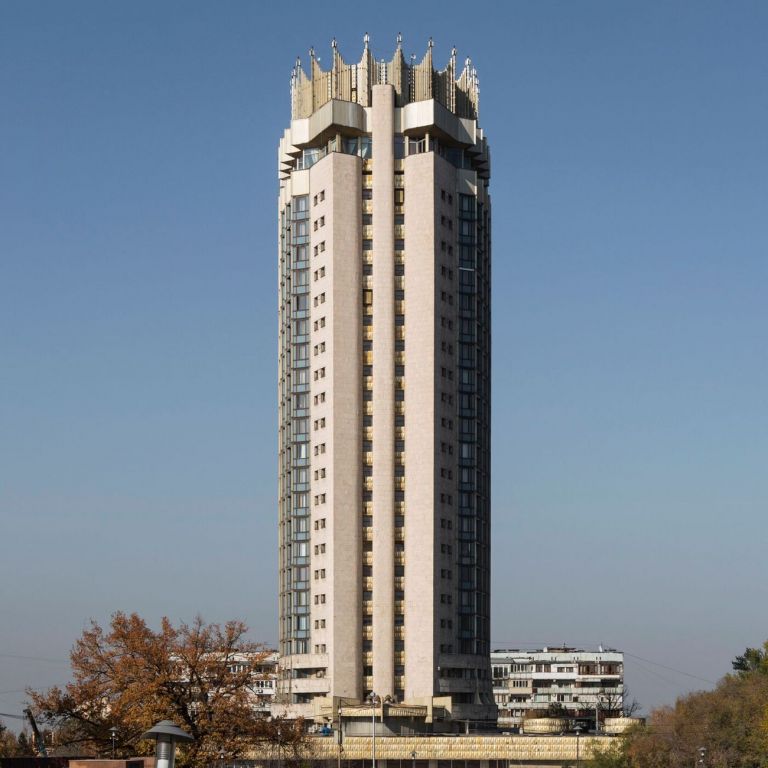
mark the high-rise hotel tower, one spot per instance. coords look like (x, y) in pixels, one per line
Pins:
(384, 386)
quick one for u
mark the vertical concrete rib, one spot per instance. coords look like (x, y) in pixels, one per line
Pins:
(343, 193)
(382, 132)
(421, 508)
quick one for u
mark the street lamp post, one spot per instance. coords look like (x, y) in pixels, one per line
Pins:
(113, 737)
(166, 734)
(413, 759)
(578, 756)
(702, 752)
(373, 697)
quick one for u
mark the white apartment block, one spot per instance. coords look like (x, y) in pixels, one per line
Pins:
(384, 387)
(528, 684)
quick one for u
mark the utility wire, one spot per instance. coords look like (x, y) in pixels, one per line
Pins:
(582, 646)
(33, 658)
(671, 669)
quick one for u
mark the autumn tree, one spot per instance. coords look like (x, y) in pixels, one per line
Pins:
(730, 722)
(198, 675)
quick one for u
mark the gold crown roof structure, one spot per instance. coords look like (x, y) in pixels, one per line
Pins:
(412, 81)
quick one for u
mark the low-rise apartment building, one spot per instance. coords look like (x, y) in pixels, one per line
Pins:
(581, 684)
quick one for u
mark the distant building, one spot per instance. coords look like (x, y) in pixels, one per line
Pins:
(578, 683)
(263, 684)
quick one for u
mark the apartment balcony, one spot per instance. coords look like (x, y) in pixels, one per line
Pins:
(399, 483)
(368, 583)
(368, 484)
(368, 433)
(367, 206)
(367, 333)
(400, 358)
(399, 231)
(310, 685)
(399, 558)
(367, 232)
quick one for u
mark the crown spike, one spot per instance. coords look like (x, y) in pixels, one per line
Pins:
(366, 40)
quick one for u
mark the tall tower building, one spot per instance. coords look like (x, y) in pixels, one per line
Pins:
(384, 387)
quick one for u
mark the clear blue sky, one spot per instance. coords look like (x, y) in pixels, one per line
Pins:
(138, 316)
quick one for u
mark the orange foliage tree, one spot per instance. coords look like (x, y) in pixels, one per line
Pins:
(199, 675)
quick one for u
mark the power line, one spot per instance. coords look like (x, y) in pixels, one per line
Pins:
(33, 658)
(671, 669)
(582, 646)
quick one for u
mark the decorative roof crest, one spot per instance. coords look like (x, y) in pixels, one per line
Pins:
(458, 92)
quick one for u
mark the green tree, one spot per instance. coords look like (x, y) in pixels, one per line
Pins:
(752, 660)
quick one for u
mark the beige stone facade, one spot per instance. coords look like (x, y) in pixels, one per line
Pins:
(384, 388)
(489, 751)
